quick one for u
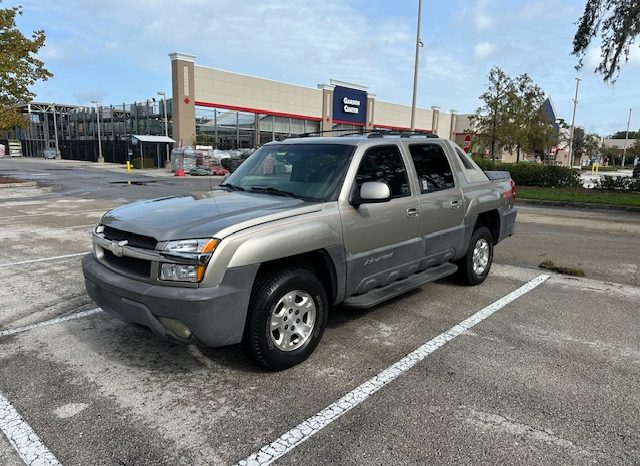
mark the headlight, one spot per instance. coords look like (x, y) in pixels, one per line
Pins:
(205, 245)
(99, 228)
(192, 255)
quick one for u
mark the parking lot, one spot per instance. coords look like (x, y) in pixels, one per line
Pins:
(522, 369)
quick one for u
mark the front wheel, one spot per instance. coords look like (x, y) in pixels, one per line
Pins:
(286, 319)
(474, 267)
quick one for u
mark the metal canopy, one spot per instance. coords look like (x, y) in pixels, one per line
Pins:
(149, 138)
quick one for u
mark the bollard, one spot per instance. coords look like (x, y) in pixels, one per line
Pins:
(128, 167)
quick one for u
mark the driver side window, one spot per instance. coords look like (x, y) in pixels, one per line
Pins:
(384, 163)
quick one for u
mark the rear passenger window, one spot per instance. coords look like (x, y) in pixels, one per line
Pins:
(432, 167)
(384, 163)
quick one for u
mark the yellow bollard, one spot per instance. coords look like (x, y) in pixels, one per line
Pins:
(597, 167)
(128, 166)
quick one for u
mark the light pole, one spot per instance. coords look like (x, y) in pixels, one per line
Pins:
(415, 69)
(166, 120)
(626, 139)
(100, 158)
(573, 122)
(55, 131)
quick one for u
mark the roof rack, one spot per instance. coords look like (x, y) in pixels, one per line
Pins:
(372, 133)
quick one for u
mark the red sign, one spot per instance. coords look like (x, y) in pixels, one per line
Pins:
(554, 150)
(467, 143)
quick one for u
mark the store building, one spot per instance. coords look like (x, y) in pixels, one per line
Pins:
(231, 110)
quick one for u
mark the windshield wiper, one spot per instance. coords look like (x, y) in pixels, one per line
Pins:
(233, 187)
(276, 191)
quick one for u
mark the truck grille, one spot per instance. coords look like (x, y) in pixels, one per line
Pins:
(133, 240)
(128, 265)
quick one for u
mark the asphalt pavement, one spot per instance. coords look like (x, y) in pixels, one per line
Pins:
(548, 377)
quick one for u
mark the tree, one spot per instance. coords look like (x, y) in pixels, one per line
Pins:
(491, 120)
(19, 67)
(512, 115)
(617, 24)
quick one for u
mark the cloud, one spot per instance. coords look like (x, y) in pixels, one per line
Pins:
(483, 50)
(483, 20)
(86, 96)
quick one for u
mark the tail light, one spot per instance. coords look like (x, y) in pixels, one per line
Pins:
(513, 188)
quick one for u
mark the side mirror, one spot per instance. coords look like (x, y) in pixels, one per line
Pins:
(372, 192)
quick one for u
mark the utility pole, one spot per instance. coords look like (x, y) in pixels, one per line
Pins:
(573, 122)
(626, 139)
(100, 157)
(166, 120)
(415, 69)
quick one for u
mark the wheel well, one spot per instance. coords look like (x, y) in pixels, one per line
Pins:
(319, 262)
(491, 220)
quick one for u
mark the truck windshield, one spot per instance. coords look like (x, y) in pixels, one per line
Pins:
(312, 172)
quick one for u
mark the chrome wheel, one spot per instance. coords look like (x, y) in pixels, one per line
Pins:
(480, 257)
(292, 320)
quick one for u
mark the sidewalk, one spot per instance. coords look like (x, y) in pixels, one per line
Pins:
(111, 167)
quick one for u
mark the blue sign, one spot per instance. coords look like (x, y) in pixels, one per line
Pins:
(349, 105)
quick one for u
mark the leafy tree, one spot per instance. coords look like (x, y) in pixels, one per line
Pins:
(492, 119)
(617, 24)
(622, 134)
(512, 115)
(19, 67)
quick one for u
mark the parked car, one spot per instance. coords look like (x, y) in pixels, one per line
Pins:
(636, 171)
(301, 226)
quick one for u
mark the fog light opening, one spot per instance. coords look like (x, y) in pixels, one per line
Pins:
(176, 327)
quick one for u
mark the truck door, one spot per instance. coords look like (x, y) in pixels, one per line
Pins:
(382, 240)
(441, 203)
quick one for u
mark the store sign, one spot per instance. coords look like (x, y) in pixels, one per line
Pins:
(349, 105)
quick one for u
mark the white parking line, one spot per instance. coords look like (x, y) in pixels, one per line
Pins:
(303, 431)
(22, 437)
(57, 320)
(44, 259)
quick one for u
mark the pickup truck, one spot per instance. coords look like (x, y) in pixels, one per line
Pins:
(303, 225)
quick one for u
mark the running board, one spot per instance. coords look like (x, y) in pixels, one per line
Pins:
(379, 295)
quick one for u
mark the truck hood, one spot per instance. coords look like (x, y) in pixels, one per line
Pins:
(203, 215)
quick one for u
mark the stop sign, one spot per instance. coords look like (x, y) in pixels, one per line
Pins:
(554, 150)
(467, 143)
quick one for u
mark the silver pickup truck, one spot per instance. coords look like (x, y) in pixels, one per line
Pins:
(302, 226)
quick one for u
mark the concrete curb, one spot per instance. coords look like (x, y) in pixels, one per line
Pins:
(25, 184)
(576, 205)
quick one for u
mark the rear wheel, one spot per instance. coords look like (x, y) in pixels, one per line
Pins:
(474, 267)
(287, 317)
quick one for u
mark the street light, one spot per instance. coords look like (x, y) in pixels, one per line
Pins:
(55, 130)
(626, 140)
(573, 122)
(100, 158)
(415, 69)
(166, 119)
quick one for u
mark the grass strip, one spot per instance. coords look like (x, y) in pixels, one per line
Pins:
(571, 271)
(591, 196)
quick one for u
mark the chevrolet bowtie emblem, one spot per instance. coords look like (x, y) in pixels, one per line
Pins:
(117, 247)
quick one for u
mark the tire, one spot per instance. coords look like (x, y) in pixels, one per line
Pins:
(285, 298)
(467, 273)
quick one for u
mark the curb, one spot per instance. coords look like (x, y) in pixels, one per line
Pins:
(576, 205)
(25, 184)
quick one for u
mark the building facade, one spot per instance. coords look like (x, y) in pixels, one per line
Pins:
(231, 110)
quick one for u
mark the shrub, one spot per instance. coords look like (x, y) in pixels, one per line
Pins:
(617, 183)
(535, 174)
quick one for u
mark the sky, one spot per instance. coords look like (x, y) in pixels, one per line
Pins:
(117, 51)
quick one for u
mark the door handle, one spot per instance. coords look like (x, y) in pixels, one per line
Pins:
(412, 212)
(455, 205)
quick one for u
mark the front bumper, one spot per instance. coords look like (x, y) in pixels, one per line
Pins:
(215, 315)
